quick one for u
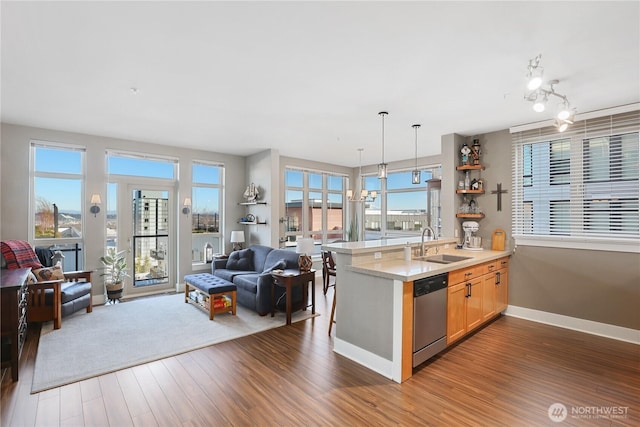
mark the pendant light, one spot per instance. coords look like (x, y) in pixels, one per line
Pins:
(382, 167)
(415, 175)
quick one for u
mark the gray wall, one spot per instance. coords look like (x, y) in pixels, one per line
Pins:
(600, 286)
(15, 186)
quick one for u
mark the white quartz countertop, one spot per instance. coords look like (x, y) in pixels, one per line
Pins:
(367, 246)
(399, 269)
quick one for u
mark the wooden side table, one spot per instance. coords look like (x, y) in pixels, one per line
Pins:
(288, 279)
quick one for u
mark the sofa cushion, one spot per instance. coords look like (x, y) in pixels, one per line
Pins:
(70, 291)
(247, 282)
(229, 275)
(240, 260)
(290, 258)
(260, 255)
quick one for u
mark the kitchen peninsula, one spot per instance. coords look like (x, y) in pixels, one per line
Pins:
(374, 297)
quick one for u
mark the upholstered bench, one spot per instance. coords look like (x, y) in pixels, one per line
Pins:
(210, 293)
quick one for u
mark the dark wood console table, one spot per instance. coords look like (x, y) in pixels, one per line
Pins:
(290, 278)
(13, 284)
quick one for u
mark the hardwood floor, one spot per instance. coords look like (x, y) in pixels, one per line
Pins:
(507, 373)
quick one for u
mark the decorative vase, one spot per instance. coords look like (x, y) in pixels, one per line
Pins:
(304, 262)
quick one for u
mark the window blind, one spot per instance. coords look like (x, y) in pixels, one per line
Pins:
(581, 184)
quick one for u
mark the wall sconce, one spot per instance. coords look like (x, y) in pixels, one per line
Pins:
(186, 206)
(95, 202)
(237, 238)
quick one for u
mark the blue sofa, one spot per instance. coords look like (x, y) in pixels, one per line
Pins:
(250, 270)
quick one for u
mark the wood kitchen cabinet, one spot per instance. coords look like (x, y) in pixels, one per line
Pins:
(476, 295)
(464, 308)
(501, 284)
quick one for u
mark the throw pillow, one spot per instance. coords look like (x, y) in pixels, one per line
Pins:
(281, 264)
(240, 260)
(49, 273)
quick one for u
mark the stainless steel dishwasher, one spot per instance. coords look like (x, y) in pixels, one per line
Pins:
(429, 317)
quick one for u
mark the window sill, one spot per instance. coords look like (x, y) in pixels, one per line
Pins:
(590, 244)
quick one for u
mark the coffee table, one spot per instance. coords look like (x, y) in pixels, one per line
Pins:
(288, 279)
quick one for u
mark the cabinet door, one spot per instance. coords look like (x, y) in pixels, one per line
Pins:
(456, 312)
(489, 289)
(474, 304)
(502, 289)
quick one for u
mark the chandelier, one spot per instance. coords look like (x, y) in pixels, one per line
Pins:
(364, 195)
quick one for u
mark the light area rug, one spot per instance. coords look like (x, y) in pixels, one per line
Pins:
(120, 336)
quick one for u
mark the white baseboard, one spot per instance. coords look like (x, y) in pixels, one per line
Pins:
(363, 357)
(576, 324)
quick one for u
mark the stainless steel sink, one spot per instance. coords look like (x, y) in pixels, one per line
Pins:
(443, 258)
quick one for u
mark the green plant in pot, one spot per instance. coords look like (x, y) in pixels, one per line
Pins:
(115, 266)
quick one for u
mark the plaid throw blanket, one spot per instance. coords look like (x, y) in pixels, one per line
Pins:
(19, 254)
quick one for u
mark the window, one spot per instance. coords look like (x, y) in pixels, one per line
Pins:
(58, 186)
(313, 206)
(405, 205)
(206, 212)
(580, 188)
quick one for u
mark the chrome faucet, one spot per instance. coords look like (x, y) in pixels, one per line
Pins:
(435, 237)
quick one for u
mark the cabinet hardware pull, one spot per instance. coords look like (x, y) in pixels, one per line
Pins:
(498, 278)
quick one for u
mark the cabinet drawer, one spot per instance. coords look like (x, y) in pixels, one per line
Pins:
(465, 274)
(503, 262)
(490, 267)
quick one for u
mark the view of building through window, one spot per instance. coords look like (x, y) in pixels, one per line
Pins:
(314, 202)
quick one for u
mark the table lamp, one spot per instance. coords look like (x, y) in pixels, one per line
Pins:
(237, 238)
(305, 248)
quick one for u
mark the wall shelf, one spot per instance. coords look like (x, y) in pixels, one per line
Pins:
(253, 222)
(470, 167)
(470, 215)
(470, 191)
(251, 203)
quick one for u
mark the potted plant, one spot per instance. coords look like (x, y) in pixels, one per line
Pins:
(115, 265)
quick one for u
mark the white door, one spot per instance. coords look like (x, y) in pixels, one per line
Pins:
(147, 220)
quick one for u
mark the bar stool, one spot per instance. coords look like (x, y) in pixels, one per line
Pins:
(328, 270)
(333, 309)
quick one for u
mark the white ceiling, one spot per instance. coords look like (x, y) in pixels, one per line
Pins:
(308, 78)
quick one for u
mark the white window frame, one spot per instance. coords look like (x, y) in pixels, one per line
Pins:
(306, 225)
(217, 235)
(583, 128)
(57, 175)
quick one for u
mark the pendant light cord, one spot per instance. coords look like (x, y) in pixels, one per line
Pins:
(383, 113)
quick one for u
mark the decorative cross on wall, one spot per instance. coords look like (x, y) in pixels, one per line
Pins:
(499, 191)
